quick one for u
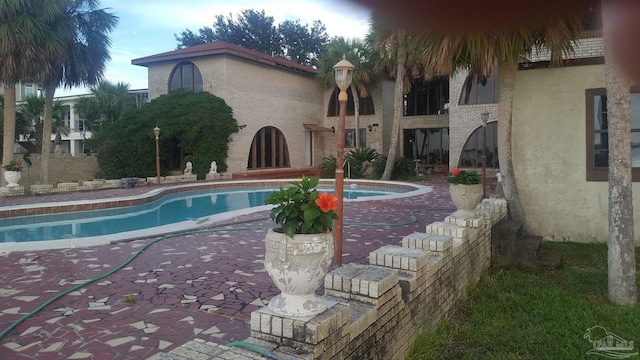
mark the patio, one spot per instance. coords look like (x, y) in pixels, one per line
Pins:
(203, 285)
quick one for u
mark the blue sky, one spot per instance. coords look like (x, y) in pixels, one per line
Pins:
(147, 27)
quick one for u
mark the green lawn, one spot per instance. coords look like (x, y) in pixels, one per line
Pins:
(513, 314)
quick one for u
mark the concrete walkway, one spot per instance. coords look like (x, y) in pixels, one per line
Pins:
(194, 286)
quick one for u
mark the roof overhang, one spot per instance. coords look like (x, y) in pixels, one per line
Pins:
(314, 127)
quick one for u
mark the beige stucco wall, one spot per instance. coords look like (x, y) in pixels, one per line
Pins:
(259, 95)
(549, 155)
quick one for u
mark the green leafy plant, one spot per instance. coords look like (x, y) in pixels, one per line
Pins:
(129, 299)
(328, 167)
(13, 166)
(357, 157)
(301, 209)
(463, 177)
(403, 168)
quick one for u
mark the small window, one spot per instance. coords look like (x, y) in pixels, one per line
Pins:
(480, 90)
(366, 104)
(186, 76)
(471, 156)
(598, 134)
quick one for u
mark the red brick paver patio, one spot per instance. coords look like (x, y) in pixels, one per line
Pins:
(202, 285)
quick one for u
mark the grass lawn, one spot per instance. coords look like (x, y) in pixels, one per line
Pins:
(513, 314)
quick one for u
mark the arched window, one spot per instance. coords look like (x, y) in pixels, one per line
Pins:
(427, 97)
(186, 76)
(471, 155)
(268, 150)
(366, 104)
(480, 91)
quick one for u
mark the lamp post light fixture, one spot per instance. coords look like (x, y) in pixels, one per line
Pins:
(344, 73)
(156, 132)
(485, 118)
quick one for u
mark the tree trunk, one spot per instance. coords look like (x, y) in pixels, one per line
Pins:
(621, 250)
(9, 130)
(398, 93)
(47, 122)
(508, 74)
(356, 105)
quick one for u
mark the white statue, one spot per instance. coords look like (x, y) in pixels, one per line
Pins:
(214, 168)
(188, 168)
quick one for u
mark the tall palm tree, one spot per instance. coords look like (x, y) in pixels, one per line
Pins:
(623, 288)
(400, 55)
(84, 27)
(359, 55)
(28, 43)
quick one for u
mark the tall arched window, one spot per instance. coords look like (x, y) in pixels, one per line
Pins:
(366, 104)
(427, 97)
(186, 76)
(471, 155)
(268, 149)
(480, 91)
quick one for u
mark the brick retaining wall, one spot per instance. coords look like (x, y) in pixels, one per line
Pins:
(377, 310)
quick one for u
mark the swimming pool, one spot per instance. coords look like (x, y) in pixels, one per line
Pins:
(182, 208)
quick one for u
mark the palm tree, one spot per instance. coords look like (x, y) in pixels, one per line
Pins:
(84, 27)
(400, 54)
(106, 103)
(31, 112)
(623, 288)
(358, 54)
(28, 43)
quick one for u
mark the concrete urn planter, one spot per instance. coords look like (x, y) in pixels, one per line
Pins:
(298, 267)
(12, 177)
(465, 198)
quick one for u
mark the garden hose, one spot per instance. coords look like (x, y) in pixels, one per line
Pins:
(254, 348)
(414, 219)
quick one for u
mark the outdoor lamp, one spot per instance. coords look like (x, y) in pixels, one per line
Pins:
(156, 132)
(344, 73)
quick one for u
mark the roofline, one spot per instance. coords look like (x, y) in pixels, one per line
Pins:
(224, 48)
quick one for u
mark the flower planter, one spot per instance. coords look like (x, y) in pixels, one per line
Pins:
(298, 267)
(465, 198)
(12, 178)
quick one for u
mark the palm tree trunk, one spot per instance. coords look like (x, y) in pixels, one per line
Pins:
(398, 93)
(356, 105)
(621, 251)
(9, 134)
(508, 73)
(49, 92)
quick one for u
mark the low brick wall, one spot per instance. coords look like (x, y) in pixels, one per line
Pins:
(62, 169)
(377, 310)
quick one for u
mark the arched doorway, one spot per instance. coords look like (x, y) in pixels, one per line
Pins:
(268, 150)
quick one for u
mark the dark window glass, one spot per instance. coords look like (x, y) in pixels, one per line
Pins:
(598, 134)
(429, 146)
(186, 76)
(268, 149)
(480, 91)
(472, 151)
(366, 104)
(427, 97)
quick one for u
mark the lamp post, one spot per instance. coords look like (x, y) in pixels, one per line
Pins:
(344, 72)
(485, 118)
(156, 132)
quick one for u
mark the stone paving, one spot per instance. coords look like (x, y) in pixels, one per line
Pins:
(193, 286)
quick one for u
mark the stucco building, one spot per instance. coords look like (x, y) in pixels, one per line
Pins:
(559, 123)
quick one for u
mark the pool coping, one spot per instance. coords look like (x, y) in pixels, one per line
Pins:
(175, 228)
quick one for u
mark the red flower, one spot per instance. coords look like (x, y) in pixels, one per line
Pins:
(455, 172)
(16, 166)
(327, 202)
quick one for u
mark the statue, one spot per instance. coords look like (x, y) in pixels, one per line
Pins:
(214, 168)
(188, 168)
(213, 174)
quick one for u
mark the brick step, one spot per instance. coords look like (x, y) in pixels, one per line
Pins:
(277, 174)
(550, 259)
(527, 251)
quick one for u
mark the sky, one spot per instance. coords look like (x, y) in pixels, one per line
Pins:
(147, 27)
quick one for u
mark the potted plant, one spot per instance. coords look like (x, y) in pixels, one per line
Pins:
(299, 251)
(12, 173)
(466, 191)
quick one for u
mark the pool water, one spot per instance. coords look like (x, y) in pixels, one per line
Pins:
(170, 209)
